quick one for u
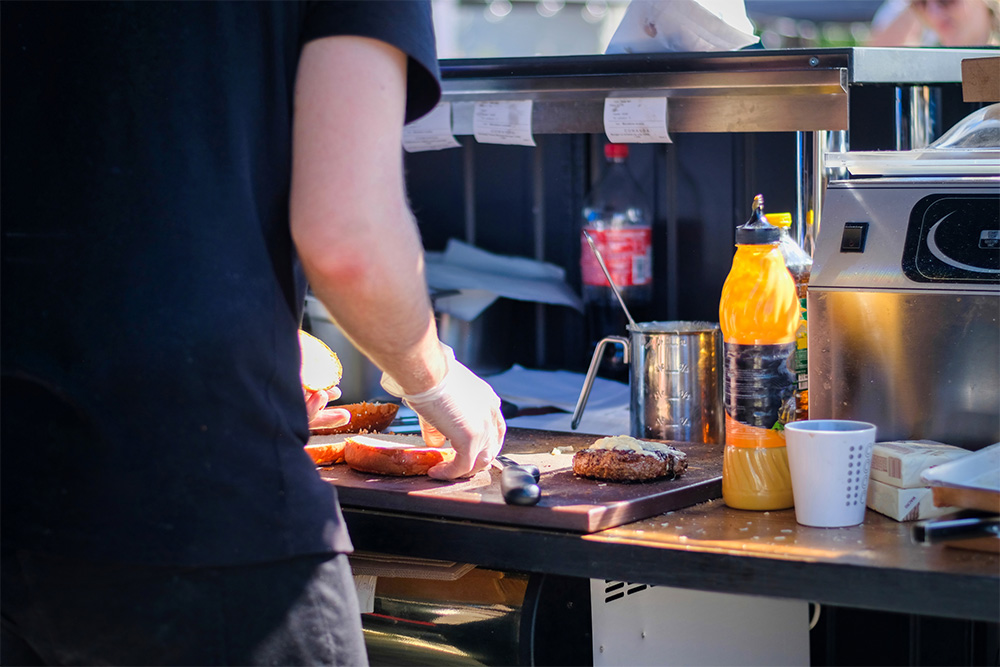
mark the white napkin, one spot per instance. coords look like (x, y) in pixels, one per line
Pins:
(607, 411)
(654, 26)
(482, 277)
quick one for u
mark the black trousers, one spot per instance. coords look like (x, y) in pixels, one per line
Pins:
(301, 611)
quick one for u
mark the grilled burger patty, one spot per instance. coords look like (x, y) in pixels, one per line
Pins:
(625, 459)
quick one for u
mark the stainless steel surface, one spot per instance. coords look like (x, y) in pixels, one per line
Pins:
(920, 358)
(916, 117)
(462, 336)
(909, 65)
(804, 168)
(749, 91)
(607, 274)
(814, 174)
(474, 620)
(885, 203)
(675, 381)
(746, 101)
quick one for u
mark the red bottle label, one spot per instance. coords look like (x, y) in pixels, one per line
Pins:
(628, 254)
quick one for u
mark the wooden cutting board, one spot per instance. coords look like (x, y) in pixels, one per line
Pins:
(568, 502)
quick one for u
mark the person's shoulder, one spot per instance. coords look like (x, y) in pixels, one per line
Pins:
(405, 24)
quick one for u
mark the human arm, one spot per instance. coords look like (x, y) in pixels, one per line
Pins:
(358, 241)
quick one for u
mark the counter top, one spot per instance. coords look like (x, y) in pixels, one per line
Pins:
(714, 548)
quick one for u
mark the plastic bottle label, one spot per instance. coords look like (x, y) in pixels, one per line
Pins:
(628, 254)
(759, 390)
(802, 365)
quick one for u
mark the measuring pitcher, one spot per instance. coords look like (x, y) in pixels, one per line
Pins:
(675, 381)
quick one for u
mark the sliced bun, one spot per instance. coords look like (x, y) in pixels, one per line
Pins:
(623, 458)
(388, 454)
(326, 453)
(365, 418)
(321, 368)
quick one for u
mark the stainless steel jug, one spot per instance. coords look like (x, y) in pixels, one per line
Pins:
(675, 380)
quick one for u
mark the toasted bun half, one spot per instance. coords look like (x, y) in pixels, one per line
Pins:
(321, 367)
(326, 451)
(365, 418)
(401, 455)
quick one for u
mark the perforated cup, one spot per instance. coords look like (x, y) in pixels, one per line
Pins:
(830, 461)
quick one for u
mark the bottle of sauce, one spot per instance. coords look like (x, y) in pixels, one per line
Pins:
(799, 264)
(759, 316)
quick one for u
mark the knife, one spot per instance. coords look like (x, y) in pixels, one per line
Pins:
(961, 528)
(519, 483)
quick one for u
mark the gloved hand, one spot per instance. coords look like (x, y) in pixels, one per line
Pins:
(462, 408)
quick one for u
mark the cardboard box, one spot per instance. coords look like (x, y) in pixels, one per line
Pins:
(981, 79)
(900, 462)
(904, 504)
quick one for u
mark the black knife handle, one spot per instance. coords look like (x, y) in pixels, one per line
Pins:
(518, 486)
(531, 470)
(530, 467)
(941, 530)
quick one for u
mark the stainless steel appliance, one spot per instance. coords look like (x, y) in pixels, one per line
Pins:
(675, 380)
(904, 304)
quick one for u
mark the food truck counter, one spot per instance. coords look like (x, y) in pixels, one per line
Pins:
(711, 547)
(576, 558)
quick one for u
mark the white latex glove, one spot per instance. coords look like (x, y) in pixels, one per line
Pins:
(462, 408)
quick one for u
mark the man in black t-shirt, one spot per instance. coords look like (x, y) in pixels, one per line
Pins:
(174, 174)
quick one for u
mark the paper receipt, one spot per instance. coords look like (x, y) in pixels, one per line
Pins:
(431, 132)
(636, 120)
(503, 123)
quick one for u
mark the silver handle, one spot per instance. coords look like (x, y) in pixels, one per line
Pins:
(595, 362)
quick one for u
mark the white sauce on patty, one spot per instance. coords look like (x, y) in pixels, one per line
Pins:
(630, 444)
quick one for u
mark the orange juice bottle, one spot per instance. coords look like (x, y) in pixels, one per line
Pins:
(759, 316)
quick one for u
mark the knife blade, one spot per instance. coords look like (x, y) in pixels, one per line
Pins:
(519, 483)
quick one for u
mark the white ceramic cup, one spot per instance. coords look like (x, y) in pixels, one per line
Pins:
(830, 461)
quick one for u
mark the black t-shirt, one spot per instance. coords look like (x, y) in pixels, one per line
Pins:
(151, 407)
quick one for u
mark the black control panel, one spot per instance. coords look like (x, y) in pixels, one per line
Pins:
(954, 238)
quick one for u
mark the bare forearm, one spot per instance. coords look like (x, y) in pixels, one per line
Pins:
(377, 295)
(360, 248)
(349, 217)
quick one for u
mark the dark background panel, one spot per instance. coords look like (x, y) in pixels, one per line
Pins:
(698, 189)
(519, 200)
